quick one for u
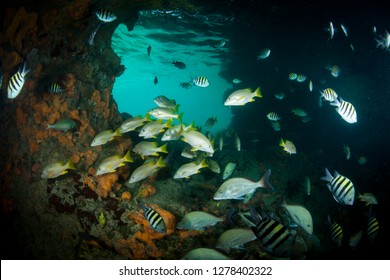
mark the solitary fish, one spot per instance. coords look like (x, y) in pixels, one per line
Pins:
(179, 64)
(149, 50)
(346, 110)
(242, 96)
(16, 82)
(229, 169)
(53, 170)
(63, 124)
(155, 81)
(154, 218)
(288, 146)
(264, 54)
(105, 16)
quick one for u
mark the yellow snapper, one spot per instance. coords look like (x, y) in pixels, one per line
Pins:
(188, 169)
(188, 153)
(110, 164)
(148, 168)
(301, 216)
(165, 114)
(145, 148)
(242, 96)
(238, 188)
(198, 141)
(288, 146)
(173, 133)
(153, 128)
(133, 123)
(229, 169)
(105, 136)
(53, 170)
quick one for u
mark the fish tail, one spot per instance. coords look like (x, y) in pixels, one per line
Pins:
(176, 108)
(118, 132)
(264, 181)
(203, 163)
(70, 164)
(328, 177)
(258, 93)
(128, 157)
(281, 142)
(163, 148)
(180, 117)
(160, 162)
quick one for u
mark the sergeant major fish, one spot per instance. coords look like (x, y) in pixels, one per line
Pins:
(341, 187)
(201, 81)
(154, 218)
(105, 15)
(346, 110)
(16, 82)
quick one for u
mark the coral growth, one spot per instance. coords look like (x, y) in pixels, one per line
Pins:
(105, 183)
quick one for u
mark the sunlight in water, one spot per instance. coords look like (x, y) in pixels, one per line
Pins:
(172, 39)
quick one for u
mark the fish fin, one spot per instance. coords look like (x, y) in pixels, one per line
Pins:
(118, 132)
(281, 142)
(328, 177)
(264, 181)
(258, 93)
(160, 162)
(163, 148)
(180, 117)
(70, 165)
(128, 157)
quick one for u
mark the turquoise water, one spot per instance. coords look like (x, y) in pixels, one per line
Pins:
(172, 39)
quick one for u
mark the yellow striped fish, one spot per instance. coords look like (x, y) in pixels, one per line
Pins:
(346, 110)
(154, 218)
(372, 228)
(16, 82)
(341, 187)
(336, 232)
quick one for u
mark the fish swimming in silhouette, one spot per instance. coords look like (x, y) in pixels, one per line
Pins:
(149, 50)
(155, 80)
(179, 64)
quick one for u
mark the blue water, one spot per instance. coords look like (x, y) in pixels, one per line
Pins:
(172, 39)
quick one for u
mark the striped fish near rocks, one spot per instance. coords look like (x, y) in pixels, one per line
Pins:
(155, 220)
(16, 82)
(341, 187)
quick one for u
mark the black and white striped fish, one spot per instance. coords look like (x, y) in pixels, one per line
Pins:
(105, 15)
(341, 187)
(16, 82)
(372, 228)
(55, 88)
(154, 218)
(329, 94)
(273, 236)
(345, 110)
(336, 232)
(201, 81)
(272, 116)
